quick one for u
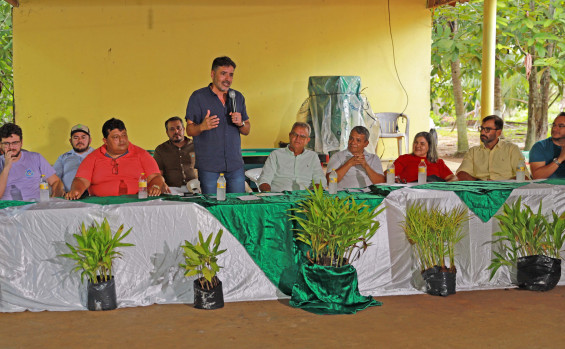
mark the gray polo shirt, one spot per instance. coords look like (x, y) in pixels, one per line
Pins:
(356, 177)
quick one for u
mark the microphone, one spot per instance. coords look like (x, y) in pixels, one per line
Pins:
(232, 97)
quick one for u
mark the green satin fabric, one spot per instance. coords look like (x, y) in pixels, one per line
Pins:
(329, 290)
(555, 181)
(12, 203)
(482, 197)
(263, 228)
(114, 200)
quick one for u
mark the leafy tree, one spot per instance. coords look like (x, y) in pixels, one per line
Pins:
(6, 76)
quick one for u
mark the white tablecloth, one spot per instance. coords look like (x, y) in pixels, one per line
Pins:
(32, 277)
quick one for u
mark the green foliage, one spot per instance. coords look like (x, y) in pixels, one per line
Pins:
(525, 233)
(335, 229)
(202, 259)
(6, 76)
(95, 250)
(433, 233)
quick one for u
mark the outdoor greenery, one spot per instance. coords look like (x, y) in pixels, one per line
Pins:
(6, 77)
(337, 230)
(525, 233)
(529, 63)
(433, 233)
(202, 259)
(95, 250)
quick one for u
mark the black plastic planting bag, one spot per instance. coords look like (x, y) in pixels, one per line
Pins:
(538, 273)
(208, 299)
(102, 295)
(439, 283)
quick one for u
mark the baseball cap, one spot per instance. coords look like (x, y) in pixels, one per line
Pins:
(80, 128)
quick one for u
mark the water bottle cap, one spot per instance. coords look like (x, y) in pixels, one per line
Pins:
(221, 173)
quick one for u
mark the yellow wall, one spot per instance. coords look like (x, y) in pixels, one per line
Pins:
(138, 60)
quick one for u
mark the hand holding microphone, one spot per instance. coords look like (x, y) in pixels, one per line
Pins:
(235, 116)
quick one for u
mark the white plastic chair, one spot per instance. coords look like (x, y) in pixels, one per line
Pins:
(389, 129)
(254, 174)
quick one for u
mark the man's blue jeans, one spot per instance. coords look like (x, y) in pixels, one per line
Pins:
(235, 181)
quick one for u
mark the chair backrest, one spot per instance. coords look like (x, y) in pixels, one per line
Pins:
(389, 121)
(254, 174)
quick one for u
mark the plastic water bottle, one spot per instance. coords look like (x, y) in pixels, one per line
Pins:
(15, 193)
(521, 171)
(332, 185)
(43, 189)
(390, 173)
(122, 188)
(422, 172)
(221, 188)
(142, 193)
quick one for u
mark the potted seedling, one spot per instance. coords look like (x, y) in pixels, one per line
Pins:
(531, 243)
(202, 259)
(433, 233)
(94, 253)
(336, 232)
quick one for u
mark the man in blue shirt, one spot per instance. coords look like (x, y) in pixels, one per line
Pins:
(547, 157)
(216, 117)
(67, 164)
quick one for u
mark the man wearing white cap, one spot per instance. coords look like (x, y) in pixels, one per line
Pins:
(67, 164)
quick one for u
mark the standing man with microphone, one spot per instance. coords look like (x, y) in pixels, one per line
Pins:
(216, 117)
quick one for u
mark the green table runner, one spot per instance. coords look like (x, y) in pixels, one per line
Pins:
(12, 203)
(263, 228)
(482, 197)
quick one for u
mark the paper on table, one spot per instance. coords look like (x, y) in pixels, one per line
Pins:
(248, 198)
(269, 194)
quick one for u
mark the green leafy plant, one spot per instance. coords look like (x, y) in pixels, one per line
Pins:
(201, 259)
(525, 233)
(337, 230)
(95, 250)
(433, 233)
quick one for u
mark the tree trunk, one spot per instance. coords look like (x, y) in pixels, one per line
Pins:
(534, 107)
(460, 117)
(498, 103)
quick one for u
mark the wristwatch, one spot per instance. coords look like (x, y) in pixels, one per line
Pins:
(242, 124)
(557, 161)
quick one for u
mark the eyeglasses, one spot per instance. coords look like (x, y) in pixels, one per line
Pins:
(114, 167)
(486, 129)
(302, 137)
(558, 125)
(13, 144)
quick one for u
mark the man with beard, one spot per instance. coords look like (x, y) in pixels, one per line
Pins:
(293, 167)
(494, 159)
(175, 157)
(67, 164)
(355, 168)
(115, 168)
(21, 170)
(547, 157)
(216, 117)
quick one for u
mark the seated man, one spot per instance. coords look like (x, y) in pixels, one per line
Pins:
(114, 168)
(67, 164)
(355, 167)
(547, 157)
(21, 170)
(494, 159)
(175, 157)
(293, 167)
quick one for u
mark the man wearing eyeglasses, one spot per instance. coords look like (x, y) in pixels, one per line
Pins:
(115, 168)
(547, 157)
(494, 159)
(21, 170)
(67, 164)
(293, 167)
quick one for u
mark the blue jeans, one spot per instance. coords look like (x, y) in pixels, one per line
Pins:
(235, 181)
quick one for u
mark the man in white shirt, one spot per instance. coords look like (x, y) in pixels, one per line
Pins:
(293, 167)
(355, 167)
